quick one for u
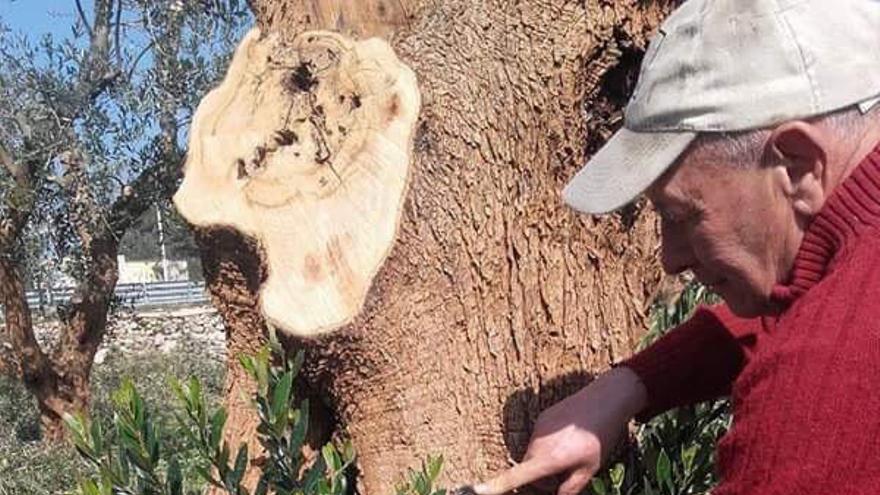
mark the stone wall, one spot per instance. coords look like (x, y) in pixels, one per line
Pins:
(189, 330)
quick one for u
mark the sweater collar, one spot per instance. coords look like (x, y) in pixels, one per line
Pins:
(852, 207)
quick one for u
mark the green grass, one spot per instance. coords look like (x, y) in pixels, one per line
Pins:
(27, 467)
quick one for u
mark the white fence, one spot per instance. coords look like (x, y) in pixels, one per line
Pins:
(137, 295)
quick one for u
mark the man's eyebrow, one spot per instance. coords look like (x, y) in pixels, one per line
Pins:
(676, 207)
(666, 202)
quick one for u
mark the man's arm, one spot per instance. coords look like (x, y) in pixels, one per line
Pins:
(696, 361)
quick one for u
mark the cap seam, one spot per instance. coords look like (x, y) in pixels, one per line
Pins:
(821, 110)
(814, 89)
(773, 12)
(649, 60)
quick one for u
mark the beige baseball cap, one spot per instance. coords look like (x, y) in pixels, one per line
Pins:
(733, 65)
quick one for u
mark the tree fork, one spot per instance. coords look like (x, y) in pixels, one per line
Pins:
(59, 383)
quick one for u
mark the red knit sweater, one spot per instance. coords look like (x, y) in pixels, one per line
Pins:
(805, 385)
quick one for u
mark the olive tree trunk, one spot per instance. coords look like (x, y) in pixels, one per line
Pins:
(494, 300)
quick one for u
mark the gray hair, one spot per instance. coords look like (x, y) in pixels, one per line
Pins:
(746, 148)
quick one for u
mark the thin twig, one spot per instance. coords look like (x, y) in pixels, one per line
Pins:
(82, 16)
(118, 44)
(137, 59)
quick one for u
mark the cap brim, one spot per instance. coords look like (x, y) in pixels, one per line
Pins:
(627, 165)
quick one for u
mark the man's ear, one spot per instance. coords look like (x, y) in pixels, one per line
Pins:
(800, 151)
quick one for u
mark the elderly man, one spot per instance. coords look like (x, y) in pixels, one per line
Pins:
(753, 133)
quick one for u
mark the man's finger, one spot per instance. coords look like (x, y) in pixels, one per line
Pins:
(520, 475)
(576, 482)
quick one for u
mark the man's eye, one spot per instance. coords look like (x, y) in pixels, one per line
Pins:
(674, 217)
(670, 217)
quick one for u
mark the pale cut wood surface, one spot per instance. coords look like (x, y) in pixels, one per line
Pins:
(306, 147)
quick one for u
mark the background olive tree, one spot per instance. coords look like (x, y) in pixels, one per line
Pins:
(92, 127)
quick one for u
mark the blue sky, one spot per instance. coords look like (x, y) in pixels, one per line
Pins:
(36, 17)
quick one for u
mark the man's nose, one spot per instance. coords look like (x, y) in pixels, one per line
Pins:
(676, 255)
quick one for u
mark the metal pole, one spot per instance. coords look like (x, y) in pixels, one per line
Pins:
(162, 243)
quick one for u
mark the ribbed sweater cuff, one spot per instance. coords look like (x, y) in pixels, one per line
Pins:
(696, 361)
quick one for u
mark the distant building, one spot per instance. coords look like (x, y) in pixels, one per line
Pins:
(140, 272)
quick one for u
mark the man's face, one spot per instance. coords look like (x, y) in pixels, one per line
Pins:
(731, 226)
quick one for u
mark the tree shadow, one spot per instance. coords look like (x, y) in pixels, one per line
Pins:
(523, 406)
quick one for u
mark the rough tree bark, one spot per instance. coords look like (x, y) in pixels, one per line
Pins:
(233, 274)
(494, 300)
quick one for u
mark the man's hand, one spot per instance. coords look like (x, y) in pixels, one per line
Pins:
(573, 437)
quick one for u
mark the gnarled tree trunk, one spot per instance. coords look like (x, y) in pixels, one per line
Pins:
(59, 380)
(491, 300)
